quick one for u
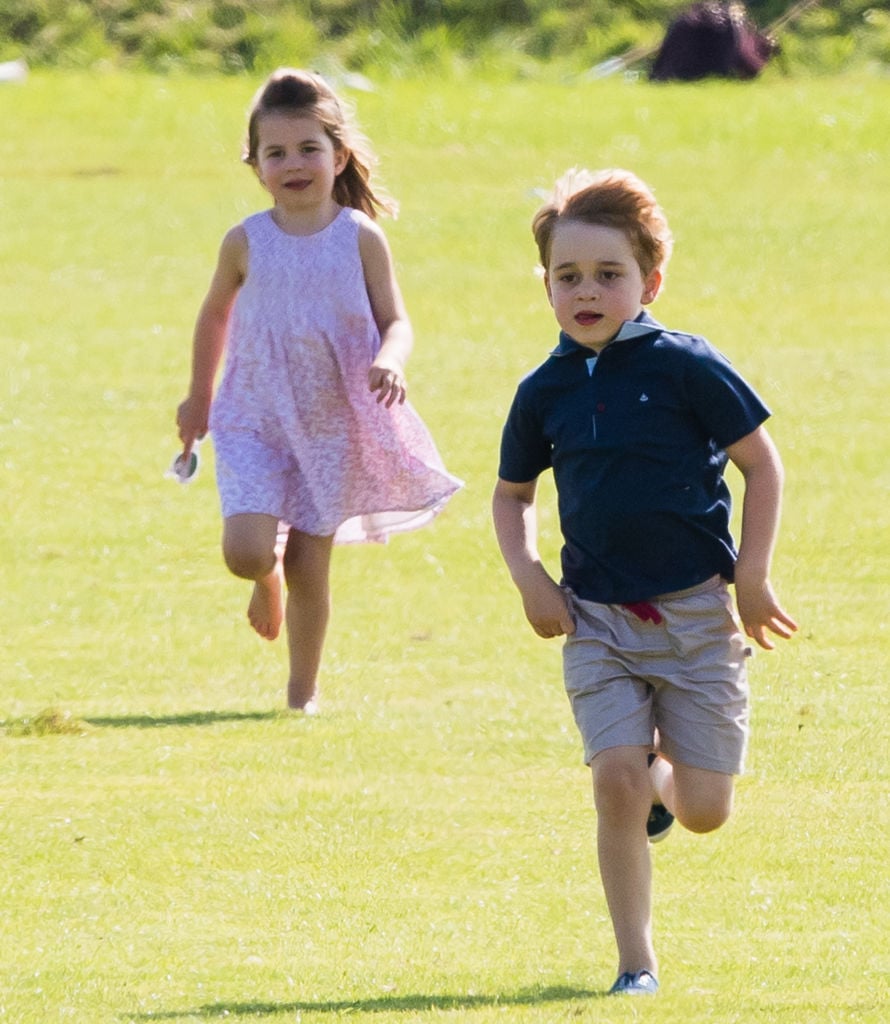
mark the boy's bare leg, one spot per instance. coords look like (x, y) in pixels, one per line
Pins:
(249, 551)
(661, 774)
(701, 800)
(623, 797)
(307, 561)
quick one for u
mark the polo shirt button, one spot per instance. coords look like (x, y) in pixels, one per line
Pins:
(600, 407)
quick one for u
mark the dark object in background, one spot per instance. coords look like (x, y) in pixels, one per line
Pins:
(712, 38)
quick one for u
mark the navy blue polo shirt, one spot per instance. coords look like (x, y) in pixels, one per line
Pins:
(636, 439)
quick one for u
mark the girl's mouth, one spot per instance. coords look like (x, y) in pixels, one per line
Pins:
(297, 186)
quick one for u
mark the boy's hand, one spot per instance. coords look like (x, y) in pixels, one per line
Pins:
(756, 458)
(547, 607)
(760, 611)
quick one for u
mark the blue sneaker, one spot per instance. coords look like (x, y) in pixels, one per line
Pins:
(659, 823)
(642, 983)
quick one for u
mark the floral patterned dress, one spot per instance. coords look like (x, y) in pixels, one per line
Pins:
(296, 432)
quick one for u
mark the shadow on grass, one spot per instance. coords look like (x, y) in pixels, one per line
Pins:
(384, 1004)
(55, 722)
(185, 719)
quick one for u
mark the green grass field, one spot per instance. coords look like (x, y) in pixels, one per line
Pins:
(174, 847)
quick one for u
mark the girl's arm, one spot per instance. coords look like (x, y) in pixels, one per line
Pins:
(758, 461)
(515, 522)
(387, 372)
(210, 336)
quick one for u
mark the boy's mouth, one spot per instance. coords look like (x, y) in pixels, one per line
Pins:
(587, 319)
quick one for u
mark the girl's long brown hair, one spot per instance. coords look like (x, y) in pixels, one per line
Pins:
(292, 91)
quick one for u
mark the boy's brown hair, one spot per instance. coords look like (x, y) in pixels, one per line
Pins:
(612, 198)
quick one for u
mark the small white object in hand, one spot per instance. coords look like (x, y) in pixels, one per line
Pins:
(183, 469)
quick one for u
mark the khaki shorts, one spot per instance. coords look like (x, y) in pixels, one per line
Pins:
(685, 677)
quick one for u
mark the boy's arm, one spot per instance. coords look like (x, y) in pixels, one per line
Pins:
(210, 337)
(758, 461)
(515, 523)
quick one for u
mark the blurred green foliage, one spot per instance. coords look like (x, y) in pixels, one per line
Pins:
(400, 37)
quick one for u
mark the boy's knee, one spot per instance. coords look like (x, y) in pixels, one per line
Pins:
(702, 799)
(704, 814)
(620, 782)
(702, 821)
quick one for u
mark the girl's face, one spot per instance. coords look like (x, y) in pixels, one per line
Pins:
(594, 282)
(296, 160)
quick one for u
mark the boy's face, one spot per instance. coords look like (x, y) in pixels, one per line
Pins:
(594, 282)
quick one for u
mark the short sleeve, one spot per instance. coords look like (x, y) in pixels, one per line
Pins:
(525, 450)
(726, 405)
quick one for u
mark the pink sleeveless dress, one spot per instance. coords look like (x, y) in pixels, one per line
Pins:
(296, 432)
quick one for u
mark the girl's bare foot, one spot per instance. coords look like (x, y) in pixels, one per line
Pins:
(266, 609)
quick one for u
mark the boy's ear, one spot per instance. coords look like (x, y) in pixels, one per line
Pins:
(547, 287)
(652, 286)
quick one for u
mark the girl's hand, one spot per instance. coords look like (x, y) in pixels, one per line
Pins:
(192, 420)
(389, 383)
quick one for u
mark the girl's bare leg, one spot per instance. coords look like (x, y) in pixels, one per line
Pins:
(249, 551)
(623, 796)
(307, 561)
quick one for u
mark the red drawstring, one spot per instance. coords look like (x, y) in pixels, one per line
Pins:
(644, 611)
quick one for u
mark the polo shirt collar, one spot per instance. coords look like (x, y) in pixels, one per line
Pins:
(643, 325)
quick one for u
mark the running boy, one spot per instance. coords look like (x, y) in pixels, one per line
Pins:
(637, 423)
